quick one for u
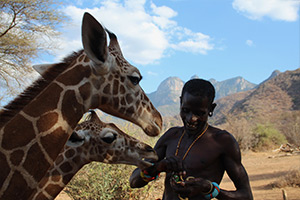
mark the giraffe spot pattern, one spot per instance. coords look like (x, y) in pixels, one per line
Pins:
(59, 159)
(123, 102)
(97, 83)
(122, 79)
(106, 89)
(38, 170)
(116, 103)
(129, 98)
(52, 189)
(130, 110)
(11, 194)
(104, 100)
(46, 102)
(46, 121)
(66, 167)
(41, 196)
(15, 136)
(115, 87)
(5, 169)
(70, 153)
(16, 157)
(85, 91)
(67, 178)
(55, 176)
(95, 101)
(75, 75)
(44, 180)
(58, 136)
(71, 111)
(122, 89)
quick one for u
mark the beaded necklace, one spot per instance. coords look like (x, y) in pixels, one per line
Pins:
(179, 142)
(178, 179)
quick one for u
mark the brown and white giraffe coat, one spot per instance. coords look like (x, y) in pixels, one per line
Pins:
(92, 140)
(36, 125)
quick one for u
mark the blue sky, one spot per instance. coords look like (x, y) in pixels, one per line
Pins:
(218, 39)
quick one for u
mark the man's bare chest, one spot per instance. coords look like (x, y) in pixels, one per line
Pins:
(197, 157)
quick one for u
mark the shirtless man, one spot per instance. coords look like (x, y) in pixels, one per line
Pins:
(196, 155)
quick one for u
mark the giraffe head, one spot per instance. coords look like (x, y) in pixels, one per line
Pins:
(112, 83)
(95, 140)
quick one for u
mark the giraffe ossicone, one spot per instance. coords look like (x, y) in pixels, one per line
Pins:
(35, 126)
(92, 140)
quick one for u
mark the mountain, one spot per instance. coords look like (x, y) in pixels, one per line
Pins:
(166, 97)
(168, 92)
(274, 74)
(273, 100)
(231, 86)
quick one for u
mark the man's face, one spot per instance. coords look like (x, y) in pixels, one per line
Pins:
(194, 112)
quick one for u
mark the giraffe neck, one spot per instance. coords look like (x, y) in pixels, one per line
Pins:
(68, 163)
(39, 131)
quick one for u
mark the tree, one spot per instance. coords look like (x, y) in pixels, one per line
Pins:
(25, 26)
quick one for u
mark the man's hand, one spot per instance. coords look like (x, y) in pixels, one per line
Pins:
(191, 186)
(170, 164)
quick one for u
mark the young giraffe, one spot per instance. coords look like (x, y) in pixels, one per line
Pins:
(36, 125)
(92, 140)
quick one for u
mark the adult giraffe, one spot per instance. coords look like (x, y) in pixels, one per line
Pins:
(92, 140)
(36, 125)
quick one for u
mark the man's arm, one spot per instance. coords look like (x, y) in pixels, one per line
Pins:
(232, 162)
(161, 165)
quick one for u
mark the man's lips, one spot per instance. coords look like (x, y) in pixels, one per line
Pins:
(191, 126)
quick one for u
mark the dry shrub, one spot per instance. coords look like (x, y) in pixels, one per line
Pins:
(291, 179)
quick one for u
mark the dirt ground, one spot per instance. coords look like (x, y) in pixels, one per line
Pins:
(263, 169)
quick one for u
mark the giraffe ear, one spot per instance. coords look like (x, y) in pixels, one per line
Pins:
(42, 68)
(94, 39)
(94, 117)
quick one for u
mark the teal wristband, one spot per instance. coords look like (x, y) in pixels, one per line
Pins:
(214, 193)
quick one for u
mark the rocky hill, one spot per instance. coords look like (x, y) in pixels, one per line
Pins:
(167, 93)
(272, 101)
(166, 97)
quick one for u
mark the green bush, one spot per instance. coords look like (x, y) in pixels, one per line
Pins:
(266, 137)
(105, 182)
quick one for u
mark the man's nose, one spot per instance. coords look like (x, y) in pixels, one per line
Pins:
(192, 117)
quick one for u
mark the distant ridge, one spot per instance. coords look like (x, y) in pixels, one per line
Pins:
(274, 74)
(166, 97)
(270, 101)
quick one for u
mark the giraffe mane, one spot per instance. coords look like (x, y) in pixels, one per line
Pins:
(16, 105)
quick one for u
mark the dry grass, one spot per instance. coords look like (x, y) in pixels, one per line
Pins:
(292, 179)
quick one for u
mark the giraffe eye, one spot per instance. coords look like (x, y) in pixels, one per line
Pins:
(134, 79)
(109, 138)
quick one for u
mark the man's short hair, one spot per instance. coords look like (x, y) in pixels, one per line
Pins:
(199, 87)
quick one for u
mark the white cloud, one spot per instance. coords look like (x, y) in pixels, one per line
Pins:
(145, 33)
(151, 73)
(193, 42)
(249, 43)
(285, 10)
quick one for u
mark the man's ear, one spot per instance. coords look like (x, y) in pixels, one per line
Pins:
(213, 106)
(211, 111)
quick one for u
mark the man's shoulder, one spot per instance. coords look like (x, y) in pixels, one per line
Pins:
(172, 132)
(170, 135)
(222, 135)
